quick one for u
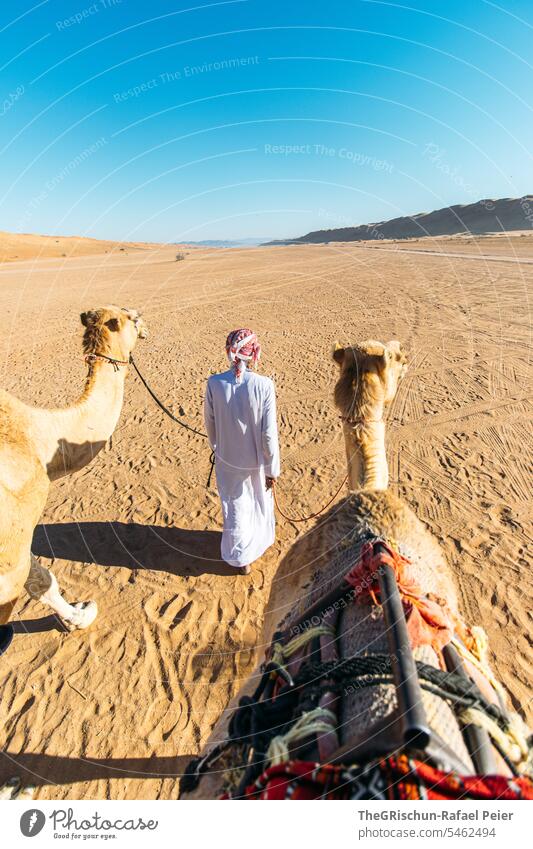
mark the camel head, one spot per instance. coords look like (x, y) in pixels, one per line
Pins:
(112, 331)
(369, 375)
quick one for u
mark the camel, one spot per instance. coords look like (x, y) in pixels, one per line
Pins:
(315, 565)
(39, 446)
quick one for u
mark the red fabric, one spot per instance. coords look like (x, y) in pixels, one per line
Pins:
(239, 353)
(398, 778)
(429, 622)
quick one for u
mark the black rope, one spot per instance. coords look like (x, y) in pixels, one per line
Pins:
(378, 669)
(174, 419)
(210, 475)
(256, 722)
(162, 406)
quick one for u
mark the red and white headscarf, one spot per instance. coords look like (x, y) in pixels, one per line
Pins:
(242, 346)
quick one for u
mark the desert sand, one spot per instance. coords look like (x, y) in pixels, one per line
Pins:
(23, 246)
(117, 711)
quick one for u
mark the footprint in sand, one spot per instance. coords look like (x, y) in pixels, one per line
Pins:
(169, 614)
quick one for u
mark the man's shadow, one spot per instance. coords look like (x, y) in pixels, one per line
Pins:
(177, 551)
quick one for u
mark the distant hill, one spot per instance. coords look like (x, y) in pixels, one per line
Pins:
(230, 243)
(23, 246)
(485, 216)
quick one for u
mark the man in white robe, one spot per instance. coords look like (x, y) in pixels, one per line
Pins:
(240, 419)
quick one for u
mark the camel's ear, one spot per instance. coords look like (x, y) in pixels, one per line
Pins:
(396, 348)
(113, 324)
(131, 314)
(382, 358)
(385, 358)
(338, 353)
(89, 317)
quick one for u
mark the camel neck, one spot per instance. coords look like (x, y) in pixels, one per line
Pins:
(105, 379)
(366, 455)
(71, 437)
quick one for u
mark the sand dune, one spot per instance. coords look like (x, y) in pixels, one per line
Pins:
(23, 246)
(116, 711)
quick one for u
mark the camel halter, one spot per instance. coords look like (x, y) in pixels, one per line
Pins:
(115, 363)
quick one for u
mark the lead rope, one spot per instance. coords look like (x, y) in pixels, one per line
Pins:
(162, 406)
(173, 417)
(313, 515)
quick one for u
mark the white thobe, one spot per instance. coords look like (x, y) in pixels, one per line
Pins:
(240, 419)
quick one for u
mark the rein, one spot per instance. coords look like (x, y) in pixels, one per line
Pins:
(115, 363)
(172, 416)
(313, 515)
(347, 420)
(162, 406)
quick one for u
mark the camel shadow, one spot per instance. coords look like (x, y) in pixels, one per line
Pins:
(41, 769)
(177, 551)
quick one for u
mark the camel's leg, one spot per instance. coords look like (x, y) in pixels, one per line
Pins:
(6, 610)
(6, 630)
(42, 585)
(13, 789)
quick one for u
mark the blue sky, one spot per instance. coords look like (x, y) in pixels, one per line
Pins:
(170, 121)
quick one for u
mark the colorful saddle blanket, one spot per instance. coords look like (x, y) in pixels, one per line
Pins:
(390, 779)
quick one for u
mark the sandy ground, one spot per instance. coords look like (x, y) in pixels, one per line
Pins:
(116, 712)
(513, 247)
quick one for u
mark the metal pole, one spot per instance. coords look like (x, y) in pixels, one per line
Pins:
(477, 740)
(415, 730)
